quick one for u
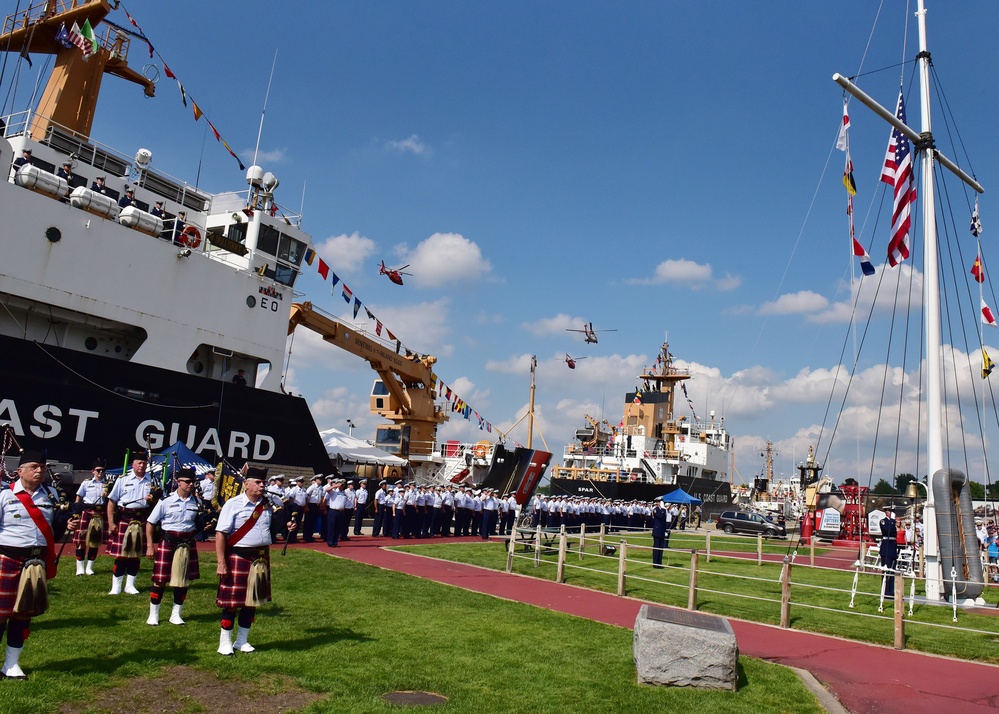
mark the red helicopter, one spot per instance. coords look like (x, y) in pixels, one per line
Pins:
(589, 333)
(571, 361)
(394, 275)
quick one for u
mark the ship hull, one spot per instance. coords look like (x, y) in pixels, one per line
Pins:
(78, 406)
(716, 495)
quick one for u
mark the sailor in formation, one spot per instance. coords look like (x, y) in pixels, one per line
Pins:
(889, 550)
(129, 503)
(297, 500)
(380, 509)
(314, 496)
(242, 540)
(91, 500)
(349, 504)
(176, 555)
(360, 505)
(335, 503)
(30, 525)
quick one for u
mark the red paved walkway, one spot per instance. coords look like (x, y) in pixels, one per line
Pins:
(865, 678)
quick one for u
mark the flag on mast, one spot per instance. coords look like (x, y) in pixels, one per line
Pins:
(897, 172)
(843, 144)
(987, 317)
(987, 364)
(977, 270)
(865, 260)
(976, 222)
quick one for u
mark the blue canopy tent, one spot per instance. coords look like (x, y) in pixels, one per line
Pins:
(680, 496)
(186, 459)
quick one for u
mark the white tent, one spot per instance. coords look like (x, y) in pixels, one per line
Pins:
(346, 449)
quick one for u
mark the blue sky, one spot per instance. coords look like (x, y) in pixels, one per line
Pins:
(652, 167)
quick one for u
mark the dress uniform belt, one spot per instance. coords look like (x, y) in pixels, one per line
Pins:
(133, 512)
(12, 551)
(176, 537)
(93, 507)
(249, 551)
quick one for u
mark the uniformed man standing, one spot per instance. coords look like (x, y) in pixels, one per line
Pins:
(242, 545)
(660, 532)
(313, 510)
(29, 529)
(297, 501)
(380, 510)
(335, 501)
(177, 515)
(129, 504)
(889, 550)
(91, 498)
(360, 505)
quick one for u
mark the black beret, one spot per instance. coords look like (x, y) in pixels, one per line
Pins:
(256, 472)
(99, 464)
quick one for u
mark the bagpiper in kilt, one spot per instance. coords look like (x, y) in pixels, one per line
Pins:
(242, 540)
(30, 524)
(91, 498)
(129, 504)
(176, 555)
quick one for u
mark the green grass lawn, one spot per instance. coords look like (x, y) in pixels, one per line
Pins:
(353, 633)
(741, 588)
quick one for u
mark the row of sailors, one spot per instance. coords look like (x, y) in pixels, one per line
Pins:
(575, 511)
(400, 510)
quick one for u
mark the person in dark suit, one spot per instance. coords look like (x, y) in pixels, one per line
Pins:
(157, 209)
(128, 199)
(98, 186)
(25, 158)
(889, 549)
(66, 172)
(660, 532)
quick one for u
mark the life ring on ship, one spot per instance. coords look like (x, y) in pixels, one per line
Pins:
(479, 450)
(190, 236)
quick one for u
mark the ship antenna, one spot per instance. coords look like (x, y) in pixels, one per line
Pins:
(263, 111)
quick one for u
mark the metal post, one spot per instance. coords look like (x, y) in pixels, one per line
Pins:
(603, 532)
(582, 539)
(537, 547)
(692, 591)
(509, 553)
(811, 551)
(622, 559)
(759, 549)
(707, 547)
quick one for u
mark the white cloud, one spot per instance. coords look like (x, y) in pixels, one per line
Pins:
(347, 253)
(412, 145)
(274, 156)
(689, 274)
(444, 258)
(553, 325)
(801, 302)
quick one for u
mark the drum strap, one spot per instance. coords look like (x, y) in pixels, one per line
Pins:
(46, 530)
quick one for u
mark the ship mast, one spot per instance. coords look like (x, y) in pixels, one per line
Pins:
(923, 142)
(69, 101)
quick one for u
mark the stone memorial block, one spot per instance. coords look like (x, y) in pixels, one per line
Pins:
(679, 648)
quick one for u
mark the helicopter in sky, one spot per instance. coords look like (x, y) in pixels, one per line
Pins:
(589, 334)
(395, 275)
(571, 361)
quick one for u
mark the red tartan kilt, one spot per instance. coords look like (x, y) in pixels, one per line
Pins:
(80, 534)
(10, 576)
(118, 537)
(164, 562)
(232, 586)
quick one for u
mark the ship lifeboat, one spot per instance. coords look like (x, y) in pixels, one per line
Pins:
(480, 449)
(93, 202)
(36, 179)
(137, 219)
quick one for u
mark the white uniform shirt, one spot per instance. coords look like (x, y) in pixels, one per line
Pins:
(234, 514)
(130, 491)
(17, 529)
(91, 491)
(362, 496)
(175, 514)
(208, 489)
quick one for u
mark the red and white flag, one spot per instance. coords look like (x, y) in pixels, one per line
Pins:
(987, 317)
(897, 172)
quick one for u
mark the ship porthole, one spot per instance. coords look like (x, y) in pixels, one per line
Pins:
(251, 301)
(90, 343)
(53, 234)
(197, 367)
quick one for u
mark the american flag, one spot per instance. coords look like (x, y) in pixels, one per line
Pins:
(897, 172)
